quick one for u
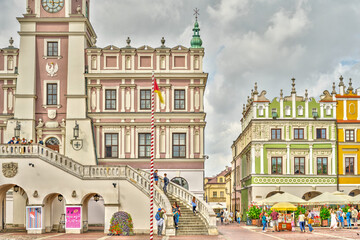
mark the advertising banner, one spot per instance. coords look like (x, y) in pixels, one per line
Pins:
(33, 217)
(73, 217)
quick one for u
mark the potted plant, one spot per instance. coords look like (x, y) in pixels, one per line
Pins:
(324, 215)
(254, 214)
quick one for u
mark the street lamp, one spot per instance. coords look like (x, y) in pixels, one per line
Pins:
(96, 197)
(60, 197)
(76, 130)
(17, 130)
(16, 188)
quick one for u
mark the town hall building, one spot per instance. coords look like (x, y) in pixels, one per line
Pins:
(89, 107)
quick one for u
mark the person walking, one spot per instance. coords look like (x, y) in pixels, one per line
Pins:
(156, 177)
(226, 216)
(354, 214)
(160, 220)
(166, 182)
(176, 215)
(348, 219)
(333, 220)
(302, 221)
(310, 220)
(238, 217)
(193, 204)
(264, 223)
(275, 220)
(222, 216)
(341, 219)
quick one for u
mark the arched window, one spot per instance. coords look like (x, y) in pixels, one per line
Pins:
(287, 111)
(181, 182)
(300, 111)
(328, 110)
(52, 143)
(261, 111)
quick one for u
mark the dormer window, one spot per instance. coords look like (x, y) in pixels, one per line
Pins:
(314, 112)
(261, 111)
(300, 111)
(287, 111)
(328, 111)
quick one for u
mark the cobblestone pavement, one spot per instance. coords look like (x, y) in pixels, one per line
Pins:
(228, 232)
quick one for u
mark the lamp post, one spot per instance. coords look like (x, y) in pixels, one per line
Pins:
(16, 188)
(17, 130)
(76, 130)
(60, 197)
(96, 197)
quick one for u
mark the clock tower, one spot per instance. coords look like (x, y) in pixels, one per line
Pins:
(50, 99)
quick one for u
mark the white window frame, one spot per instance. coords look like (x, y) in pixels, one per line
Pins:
(114, 131)
(116, 102)
(138, 98)
(177, 130)
(151, 61)
(46, 40)
(117, 61)
(179, 55)
(355, 163)
(261, 110)
(301, 108)
(45, 94)
(186, 99)
(328, 110)
(287, 111)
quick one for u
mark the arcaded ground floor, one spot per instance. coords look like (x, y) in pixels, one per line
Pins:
(227, 232)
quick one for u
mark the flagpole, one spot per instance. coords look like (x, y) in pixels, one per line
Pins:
(152, 158)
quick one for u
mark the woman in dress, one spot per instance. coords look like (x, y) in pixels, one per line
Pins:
(333, 220)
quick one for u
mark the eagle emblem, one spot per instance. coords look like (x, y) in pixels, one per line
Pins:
(9, 169)
(52, 69)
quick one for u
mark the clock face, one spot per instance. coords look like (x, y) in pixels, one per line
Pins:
(52, 6)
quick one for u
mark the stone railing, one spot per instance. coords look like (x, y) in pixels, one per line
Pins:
(185, 196)
(86, 172)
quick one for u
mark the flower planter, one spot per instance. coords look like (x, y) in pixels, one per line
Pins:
(324, 223)
(255, 222)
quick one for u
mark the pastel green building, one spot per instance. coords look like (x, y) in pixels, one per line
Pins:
(286, 145)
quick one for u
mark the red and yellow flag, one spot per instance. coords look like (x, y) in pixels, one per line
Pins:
(157, 90)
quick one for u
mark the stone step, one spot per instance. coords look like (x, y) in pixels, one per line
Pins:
(182, 233)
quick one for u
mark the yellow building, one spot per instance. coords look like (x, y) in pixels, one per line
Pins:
(215, 188)
(348, 127)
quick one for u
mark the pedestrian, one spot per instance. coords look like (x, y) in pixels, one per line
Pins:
(222, 216)
(193, 203)
(338, 215)
(302, 221)
(342, 218)
(348, 219)
(226, 216)
(238, 218)
(275, 220)
(12, 141)
(156, 177)
(160, 220)
(310, 220)
(41, 141)
(176, 215)
(166, 182)
(264, 223)
(231, 217)
(354, 214)
(333, 220)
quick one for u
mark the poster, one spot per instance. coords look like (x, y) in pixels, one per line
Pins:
(33, 218)
(73, 217)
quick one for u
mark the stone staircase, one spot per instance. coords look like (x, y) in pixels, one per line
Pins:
(189, 224)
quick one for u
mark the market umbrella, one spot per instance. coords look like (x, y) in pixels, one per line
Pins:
(329, 198)
(342, 194)
(218, 206)
(282, 197)
(284, 206)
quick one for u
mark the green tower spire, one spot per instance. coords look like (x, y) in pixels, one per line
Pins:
(196, 41)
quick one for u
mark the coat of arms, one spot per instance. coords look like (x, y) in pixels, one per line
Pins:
(52, 69)
(9, 169)
(77, 144)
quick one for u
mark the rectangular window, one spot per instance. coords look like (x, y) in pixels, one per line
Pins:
(275, 134)
(276, 165)
(349, 165)
(321, 133)
(179, 99)
(322, 166)
(179, 145)
(144, 145)
(110, 99)
(349, 135)
(52, 49)
(51, 94)
(298, 133)
(145, 99)
(299, 165)
(111, 145)
(214, 194)
(221, 194)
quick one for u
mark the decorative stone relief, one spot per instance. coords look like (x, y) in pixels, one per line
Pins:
(10, 100)
(293, 180)
(63, 123)
(162, 62)
(93, 100)
(52, 69)
(93, 63)
(9, 169)
(10, 63)
(40, 124)
(35, 194)
(51, 124)
(51, 113)
(128, 62)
